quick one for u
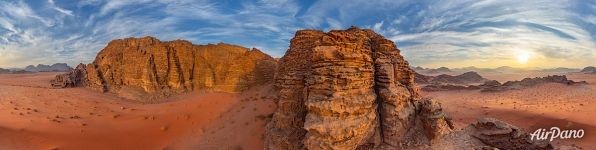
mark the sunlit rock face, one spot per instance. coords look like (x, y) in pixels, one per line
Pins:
(153, 66)
(349, 89)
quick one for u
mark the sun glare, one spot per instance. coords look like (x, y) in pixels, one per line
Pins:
(522, 57)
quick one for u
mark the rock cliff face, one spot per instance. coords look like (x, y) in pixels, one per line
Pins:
(349, 89)
(502, 135)
(153, 66)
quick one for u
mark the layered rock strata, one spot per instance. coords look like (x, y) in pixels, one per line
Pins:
(153, 66)
(349, 89)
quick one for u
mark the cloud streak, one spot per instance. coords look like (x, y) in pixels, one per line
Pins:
(429, 33)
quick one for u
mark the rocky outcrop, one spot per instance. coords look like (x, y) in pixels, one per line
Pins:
(349, 89)
(155, 67)
(448, 82)
(502, 135)
(529, 82)
(57, 67)
(462, 79)
(74, 78)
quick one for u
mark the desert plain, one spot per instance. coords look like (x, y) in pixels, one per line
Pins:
(37, 116)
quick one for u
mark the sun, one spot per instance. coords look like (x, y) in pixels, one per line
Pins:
(522, 57)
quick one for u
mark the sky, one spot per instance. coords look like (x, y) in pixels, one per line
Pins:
(429, 33)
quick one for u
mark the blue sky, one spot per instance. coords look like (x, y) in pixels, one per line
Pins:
(430, 33)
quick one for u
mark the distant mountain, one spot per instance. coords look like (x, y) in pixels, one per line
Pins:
(528, 82)
(502, 69)
(12, 71)
(438, 70)
(560, 69)
(57, 67)
(475, 69)
(463, 79)
(507, 69)
(2, 70)
(589, 69)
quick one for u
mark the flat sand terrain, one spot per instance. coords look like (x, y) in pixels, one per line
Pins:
(544, 106)
(35, 116)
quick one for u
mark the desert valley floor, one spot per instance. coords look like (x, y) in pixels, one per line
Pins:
(36, 116)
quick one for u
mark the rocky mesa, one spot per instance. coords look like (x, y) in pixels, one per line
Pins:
(155, 67)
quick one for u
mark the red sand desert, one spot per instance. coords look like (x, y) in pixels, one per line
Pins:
(35, 116)
(543, 106)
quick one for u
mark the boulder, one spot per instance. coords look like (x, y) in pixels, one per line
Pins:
(502, 135)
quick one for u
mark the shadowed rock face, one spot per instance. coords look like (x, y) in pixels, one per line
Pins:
(154, 66)
(349, 89)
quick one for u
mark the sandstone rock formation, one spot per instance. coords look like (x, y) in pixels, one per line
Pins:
(152, 66)
(349, 89)
(462, 79)
(528, 82)
(448, 82)
(74, 78)
(502, 135)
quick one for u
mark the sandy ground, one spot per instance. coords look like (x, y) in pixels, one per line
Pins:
(544, 106)
(35, 116)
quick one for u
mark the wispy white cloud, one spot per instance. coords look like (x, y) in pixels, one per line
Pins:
(61, 10)
(429, 33)
(492, 31)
